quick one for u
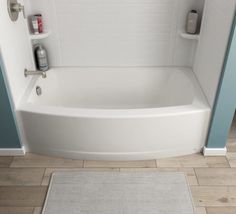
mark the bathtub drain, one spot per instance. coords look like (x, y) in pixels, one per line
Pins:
(38, 90)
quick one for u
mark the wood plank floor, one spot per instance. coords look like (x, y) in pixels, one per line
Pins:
(24, 180)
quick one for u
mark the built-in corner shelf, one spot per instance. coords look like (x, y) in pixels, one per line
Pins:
(40, 36)
(190, 36)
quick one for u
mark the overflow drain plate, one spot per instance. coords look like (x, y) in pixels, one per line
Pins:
(38, 90)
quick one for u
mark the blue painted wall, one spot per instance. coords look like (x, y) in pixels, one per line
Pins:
(226, 100)
(8, 131)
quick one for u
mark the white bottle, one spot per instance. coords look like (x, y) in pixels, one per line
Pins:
(192, 22)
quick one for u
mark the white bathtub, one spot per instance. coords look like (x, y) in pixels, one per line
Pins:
(115, 113)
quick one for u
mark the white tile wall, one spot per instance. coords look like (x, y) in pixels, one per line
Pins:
(184, 51)
(218, 17)
(117, 32)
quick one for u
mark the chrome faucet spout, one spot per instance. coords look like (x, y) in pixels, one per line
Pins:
(28, 72)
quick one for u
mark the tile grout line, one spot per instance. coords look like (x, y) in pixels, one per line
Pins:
(194, 169)
(215, 186)
(228, 161)
(10, 165)
(156, 162)
(43, 176)
(33, 210)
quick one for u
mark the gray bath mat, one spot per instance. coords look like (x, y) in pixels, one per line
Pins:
(113, 192)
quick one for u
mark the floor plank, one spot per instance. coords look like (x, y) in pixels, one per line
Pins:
(32, 160)
(195, 160)
(216, 176)
(201, 210)
(120, 164)
(231, 156)
(16, 210)
(221, 210)
(5, 161)
(214, 195)
(231, 147)
(38, 210)
(215, 162)
(22, 196)
(21, 176)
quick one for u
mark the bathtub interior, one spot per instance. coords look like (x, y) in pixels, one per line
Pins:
(115, 88)
(118, 54)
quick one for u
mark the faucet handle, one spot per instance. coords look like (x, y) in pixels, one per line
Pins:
(14, 8)
(17, 7)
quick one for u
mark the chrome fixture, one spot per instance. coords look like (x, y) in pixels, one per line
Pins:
(28, 72)
(14, 8)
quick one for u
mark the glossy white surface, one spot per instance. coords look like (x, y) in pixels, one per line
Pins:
(12, 152)
(117, 32)
(190, 36)
(214, 151)
(40, 36)
(115, 88)
(116, 113)
(213, 42)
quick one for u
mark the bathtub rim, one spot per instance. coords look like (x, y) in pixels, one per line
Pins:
(199, 103)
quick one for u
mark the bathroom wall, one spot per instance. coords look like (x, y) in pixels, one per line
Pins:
(215, 31)
(15, 50)
(8, 131)
(117, 32)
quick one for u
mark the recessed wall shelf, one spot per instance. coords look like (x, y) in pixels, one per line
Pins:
(40, 36)
(190, 36)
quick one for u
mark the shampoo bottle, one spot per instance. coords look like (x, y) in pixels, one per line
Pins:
(41, 58)
(192, 22)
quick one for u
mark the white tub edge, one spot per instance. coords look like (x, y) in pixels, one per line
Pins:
(117, 157)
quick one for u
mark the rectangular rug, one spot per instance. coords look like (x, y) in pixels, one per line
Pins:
(113, 192)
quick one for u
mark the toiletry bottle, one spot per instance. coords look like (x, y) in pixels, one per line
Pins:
(41, 58)
(40, 22)
(35, 26)
(192, 22)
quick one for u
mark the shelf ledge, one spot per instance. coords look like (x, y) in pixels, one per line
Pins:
(190, 36)
(43, 35)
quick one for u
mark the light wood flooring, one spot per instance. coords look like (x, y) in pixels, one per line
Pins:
(24, 180)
